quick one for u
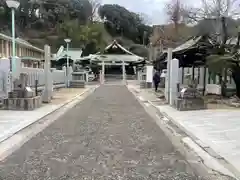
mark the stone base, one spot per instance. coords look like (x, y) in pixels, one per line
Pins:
(190, 104)
(77, 84)
(25, 104)
(148, 85)
(144, 84)
(162, 83)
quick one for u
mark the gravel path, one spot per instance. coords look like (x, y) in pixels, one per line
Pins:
(108, 136)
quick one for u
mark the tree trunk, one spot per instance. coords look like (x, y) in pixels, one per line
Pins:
(236, 78)
(236, 69)
(224, 83)
(224, 31)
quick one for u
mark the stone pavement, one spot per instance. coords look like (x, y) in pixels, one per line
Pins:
(215, 130)
(13, 121)
(108, 136)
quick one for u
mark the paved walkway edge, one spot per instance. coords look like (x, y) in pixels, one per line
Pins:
(205, 152)
(193, 143)
(17, 139)
(21, 126)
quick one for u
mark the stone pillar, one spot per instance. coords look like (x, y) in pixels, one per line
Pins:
(201, 77)
(103, 71)
(5, 75)
(100, 76)
(207, 76)
(48, 90)
(70, 71)
(138, 76)
(149, 76)
(167, 78)
(86, 76)
(135, 70)
(173, 81)
(65, 74)
(180, 72)
(123, 72)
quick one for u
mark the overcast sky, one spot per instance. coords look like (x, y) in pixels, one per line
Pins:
(155, 9)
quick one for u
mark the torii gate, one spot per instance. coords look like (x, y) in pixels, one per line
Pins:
(115, 54)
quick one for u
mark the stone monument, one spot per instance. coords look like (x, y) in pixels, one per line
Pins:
(22, 97)
(17, 94)
(48, 89)
(183, 99)
(5, 75)
(173, 89)
(147, 77)
(189, 97)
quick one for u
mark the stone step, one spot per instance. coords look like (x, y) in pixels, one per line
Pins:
(144, 84)
(77, 84)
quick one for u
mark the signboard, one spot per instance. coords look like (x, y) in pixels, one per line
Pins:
(149, 73)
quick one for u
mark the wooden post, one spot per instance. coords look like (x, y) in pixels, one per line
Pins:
(193, 72)
(204, 79)
(182, 75)
(36, 87)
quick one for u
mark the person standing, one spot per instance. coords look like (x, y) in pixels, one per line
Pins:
(156, 80)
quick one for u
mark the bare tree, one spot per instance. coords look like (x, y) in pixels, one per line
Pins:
(207, 9)
(218, 12)
(215, 10)
(145, 18)
(174, 12)
(95, 5)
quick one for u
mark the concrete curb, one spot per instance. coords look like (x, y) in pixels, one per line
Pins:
(211, 159)
(233, 172)
(14, 142)
(16, 129)
(204, 147)
(67, 102)
(175, 138)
